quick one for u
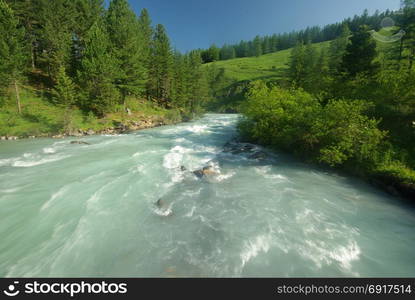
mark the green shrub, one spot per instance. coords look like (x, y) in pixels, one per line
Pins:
(333, 134)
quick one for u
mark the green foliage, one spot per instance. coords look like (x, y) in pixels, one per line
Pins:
(257, 50)
(344, 132)
(211, 55)
(55, 35)
(12, 53)
(334, 134)
(146, 31)
(97, 72)
(360, 54)
(64, 91)
(338, 49)
(161, 66)
(128, 48)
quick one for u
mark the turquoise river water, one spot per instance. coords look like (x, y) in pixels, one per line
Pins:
(90, 210)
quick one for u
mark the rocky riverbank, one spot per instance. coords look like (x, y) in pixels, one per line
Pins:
(117, 128)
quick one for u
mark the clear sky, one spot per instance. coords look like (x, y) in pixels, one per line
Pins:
(199, 23)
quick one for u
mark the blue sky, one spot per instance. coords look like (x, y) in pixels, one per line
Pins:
(199, 23)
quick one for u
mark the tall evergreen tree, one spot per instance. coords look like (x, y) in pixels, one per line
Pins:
(310, 63)
(296, 71)
(161, 66)
(337, 49)
(127, 45)
(258, 51)
(65, 95)
(146, 30)
(360, 54)
(26, 11)
(12, 53)
(179, 91)
(88, 12)
(198, 83)
(57, 19)
(98, 72)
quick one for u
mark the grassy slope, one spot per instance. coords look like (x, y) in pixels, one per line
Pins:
(269, 66)
(41, 118)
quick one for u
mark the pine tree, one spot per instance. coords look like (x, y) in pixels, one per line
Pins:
(88, 12)
(360, 54)
(407, 23)
(296, 72)
(179, 91)
(161, 66)
(26, 11)
(57, 19)
(127, 45)
(267, 45)
(258, 51)
(310, 62)
(198, 83)
(338, 49)
(146, 30)
(274, 43)
(64, 90)
(64, 94)
(98, 71)
(12, 53)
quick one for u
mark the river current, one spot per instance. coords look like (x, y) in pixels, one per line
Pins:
(130, 206)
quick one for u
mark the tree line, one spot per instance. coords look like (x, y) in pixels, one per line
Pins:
(94, 58)
(269, 44)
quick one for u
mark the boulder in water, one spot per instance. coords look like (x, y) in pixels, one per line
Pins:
(204, 172)
(260, 155)
(79, 143)
(163, 208)
(238, 148)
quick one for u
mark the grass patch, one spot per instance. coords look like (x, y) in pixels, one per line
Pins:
(40, 117)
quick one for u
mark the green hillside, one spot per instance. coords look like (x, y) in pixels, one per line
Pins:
(268, 66)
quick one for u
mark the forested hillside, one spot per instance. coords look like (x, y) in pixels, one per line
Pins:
(261, 45)
(73, 64)
(348, 104)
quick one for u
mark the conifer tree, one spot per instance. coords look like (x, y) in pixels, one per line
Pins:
(146, 30)
(310, 62)
(296, 70)
(337, 50)
(65, 95)
(161, 66)
(360, 54)
(198, 83)
(12, 53)
(98, 72)
(257, 44)
(127, 46)
(57, 20)
(26, 11)
(179, 91)
(88, 12)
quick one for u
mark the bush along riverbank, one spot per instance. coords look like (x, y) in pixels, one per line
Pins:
(339, 134)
